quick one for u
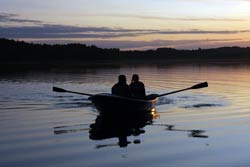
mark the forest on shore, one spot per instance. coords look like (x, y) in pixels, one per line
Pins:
(18, 52)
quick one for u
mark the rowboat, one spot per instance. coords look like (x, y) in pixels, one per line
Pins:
(105, 102)
(109, 103)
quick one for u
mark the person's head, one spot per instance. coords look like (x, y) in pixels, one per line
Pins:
(122, 79)
(135, 78)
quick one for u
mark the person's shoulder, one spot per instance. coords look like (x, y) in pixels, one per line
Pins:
(115, 85)
(141, 83)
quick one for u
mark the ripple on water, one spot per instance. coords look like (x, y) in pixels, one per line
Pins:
(201, 105)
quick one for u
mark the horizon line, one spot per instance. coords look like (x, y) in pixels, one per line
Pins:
(155, 49)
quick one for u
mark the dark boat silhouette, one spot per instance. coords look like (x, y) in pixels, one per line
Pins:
(108, 103)
(105, 103)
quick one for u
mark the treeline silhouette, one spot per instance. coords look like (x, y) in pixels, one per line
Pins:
(19, 51)
(22, 51)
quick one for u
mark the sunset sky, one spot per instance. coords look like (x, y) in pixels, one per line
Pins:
(129, 24)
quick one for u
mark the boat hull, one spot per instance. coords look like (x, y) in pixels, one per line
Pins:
(112, 103)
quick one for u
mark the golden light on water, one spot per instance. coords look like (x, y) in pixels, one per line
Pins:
(154, 113)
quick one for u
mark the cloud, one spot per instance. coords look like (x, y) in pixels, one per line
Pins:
(41, 30)
(176, 18)
(62, 31)
(108, 37)
(204, 32)
(9, 17)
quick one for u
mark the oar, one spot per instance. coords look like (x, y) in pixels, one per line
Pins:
(56, 89)
(197, 86)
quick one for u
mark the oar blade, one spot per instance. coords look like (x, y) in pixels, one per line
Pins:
(56, 89)
(200, 85)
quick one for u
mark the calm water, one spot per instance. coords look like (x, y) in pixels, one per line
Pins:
(43, 128)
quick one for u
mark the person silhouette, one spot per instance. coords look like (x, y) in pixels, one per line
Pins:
(121, 88)
(137, 88)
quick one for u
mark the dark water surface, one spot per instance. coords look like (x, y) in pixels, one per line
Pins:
(43, 128)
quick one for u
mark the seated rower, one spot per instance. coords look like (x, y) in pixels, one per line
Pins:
(137, 88)
(121, 88)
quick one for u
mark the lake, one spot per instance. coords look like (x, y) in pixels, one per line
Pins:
(40, 127)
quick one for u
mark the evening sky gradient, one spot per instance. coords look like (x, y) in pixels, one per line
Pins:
(129, 24)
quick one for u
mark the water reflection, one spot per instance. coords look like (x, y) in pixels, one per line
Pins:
(191, 133)
(121, 127)
(70, 129)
